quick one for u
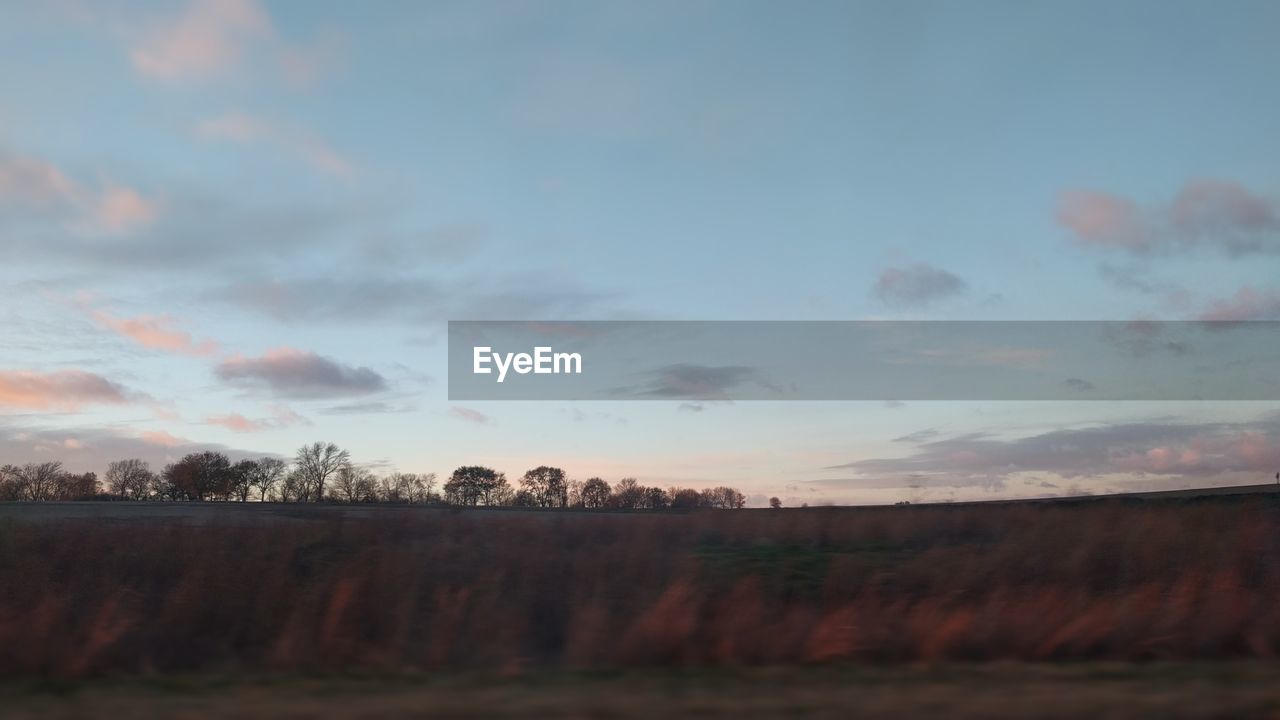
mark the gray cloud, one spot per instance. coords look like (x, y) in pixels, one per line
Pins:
(355, 297)
(915, 285)
(1141, 338)
(697, 382)
(469, 415)
(334, 298)
(83, 449)
(1078, 384)
(299, 374)
(1247, 304)
(918, 436)
(1189, 450)
(189, 230)
(365, 408)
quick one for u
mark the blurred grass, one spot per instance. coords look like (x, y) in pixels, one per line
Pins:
(514, 592)
(998, 690)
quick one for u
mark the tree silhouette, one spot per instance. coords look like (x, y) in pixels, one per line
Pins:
(547, 486)
(131, 479)
(199, 476)
(314, 465)
(475, 485)
(35, 482)
(684, 498)
(595, 493)
(266, 474)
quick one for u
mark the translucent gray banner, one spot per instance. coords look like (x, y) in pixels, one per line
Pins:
(863, 360)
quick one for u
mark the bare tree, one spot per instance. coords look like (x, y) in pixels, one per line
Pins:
(267, 474)
(723, 497)
(131, 479)
(9, 491)
(70, 486)
(292, 488)
(423, 489)
(353, 485)
(315, 464)
(775, 503)
(35, 482)
(242, 475)
(406, 488)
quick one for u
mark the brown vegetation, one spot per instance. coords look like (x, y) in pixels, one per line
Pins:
(428, 589)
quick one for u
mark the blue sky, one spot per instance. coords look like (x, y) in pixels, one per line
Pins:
(200, 199)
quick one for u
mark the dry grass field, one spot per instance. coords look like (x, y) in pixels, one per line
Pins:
(862, 609)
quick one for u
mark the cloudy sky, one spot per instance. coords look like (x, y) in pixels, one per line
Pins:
(241, 224)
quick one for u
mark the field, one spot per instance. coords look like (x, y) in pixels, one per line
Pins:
(1164, 607)
(968, 692)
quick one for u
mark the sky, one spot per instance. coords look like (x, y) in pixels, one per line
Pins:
(243, 225)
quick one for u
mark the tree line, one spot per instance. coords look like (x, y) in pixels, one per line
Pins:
(323, 472)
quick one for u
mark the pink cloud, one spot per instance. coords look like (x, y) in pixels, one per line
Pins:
(156, 332)
(207, 40)
(281, 416)
(123, 209)
(165, 413)
(236, 422)
(37, 186)
(63, 390)
(163, 439)
(469, 415)
(1247, 304)
(1102, 219)
(1203, 455)
(1217, 213)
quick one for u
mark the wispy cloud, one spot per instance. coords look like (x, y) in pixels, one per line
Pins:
(287, 372)
(371, 293)
(1248, 303)
(163, 438)
(695, 382)
(1191, 450)
(35, 187)
(207, 39)
(469, 415)
(280, 417)
(158, 332)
